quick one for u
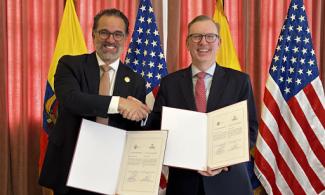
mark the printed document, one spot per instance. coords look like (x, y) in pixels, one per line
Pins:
(199, 140)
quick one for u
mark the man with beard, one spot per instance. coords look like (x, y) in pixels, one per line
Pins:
(204, 87)
(97, 87)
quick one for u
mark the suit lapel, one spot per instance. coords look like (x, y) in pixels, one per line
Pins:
(92, 73)
(186, 84)
(123, 82)
(121, 87)
(216, 89)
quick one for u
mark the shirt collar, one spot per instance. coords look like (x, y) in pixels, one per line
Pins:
(113, 65)
(210, 71)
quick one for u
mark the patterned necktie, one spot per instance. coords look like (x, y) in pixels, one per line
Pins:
(200, 96)
(104, 84)
(104, 87)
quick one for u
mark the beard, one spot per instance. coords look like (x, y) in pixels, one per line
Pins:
(108, 55)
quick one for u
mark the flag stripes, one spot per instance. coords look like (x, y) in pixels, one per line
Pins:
(266, 173)
(309, 133)
(278, 148)
(316, 105)
(288, 147)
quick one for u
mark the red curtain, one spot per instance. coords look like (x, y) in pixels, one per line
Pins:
(29, 30)
(27, 40)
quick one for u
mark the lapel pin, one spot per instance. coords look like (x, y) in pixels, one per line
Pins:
(127, 79)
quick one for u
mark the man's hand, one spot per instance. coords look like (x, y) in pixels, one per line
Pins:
(132, 109)
(214, 172)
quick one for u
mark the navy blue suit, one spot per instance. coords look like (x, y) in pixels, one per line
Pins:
(228, 87)
(76, 87)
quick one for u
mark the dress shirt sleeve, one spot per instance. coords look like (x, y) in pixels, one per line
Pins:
(113, 106)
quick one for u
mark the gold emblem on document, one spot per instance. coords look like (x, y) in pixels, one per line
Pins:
(127, 79)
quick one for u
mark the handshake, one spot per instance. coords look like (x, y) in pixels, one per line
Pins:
(133, 109)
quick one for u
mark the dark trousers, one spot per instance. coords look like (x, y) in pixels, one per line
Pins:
(201, 188)
(183, 190)
(74, 191)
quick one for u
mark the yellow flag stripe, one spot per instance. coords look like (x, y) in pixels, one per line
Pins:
(70, 39)
(226, 56)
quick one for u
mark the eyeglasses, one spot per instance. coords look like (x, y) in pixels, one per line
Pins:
(104, 34)
(210, 38)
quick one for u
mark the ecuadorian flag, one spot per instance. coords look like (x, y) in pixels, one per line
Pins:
(70, 41)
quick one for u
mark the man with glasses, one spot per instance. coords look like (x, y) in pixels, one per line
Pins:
(205, 86)
(97, 87)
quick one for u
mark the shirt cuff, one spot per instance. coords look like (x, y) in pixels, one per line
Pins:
(113, 106)
(144, 121)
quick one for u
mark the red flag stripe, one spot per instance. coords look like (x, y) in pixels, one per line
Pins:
(43, 146)
(264, 168)
(315, 103)
(312, 111)
(314, 143)
(163, 181)
(286, 172)
(155, 91)
(293, 145)
(268, 155)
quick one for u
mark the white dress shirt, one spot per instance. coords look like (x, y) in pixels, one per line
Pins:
(207, 79)
(113, 106)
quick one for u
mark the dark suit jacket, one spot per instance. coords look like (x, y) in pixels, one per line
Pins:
(228, 87)
(76, 87)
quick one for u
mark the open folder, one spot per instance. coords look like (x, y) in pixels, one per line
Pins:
(199, 140)
(109, 160)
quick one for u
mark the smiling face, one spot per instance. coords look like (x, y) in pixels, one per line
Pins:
(203, 53)
(109, 49)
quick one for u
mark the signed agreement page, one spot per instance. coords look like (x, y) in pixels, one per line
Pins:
(228, 135)
(142, 162)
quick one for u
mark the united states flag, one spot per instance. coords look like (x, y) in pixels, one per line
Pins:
(290, 154)
(145, 56)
